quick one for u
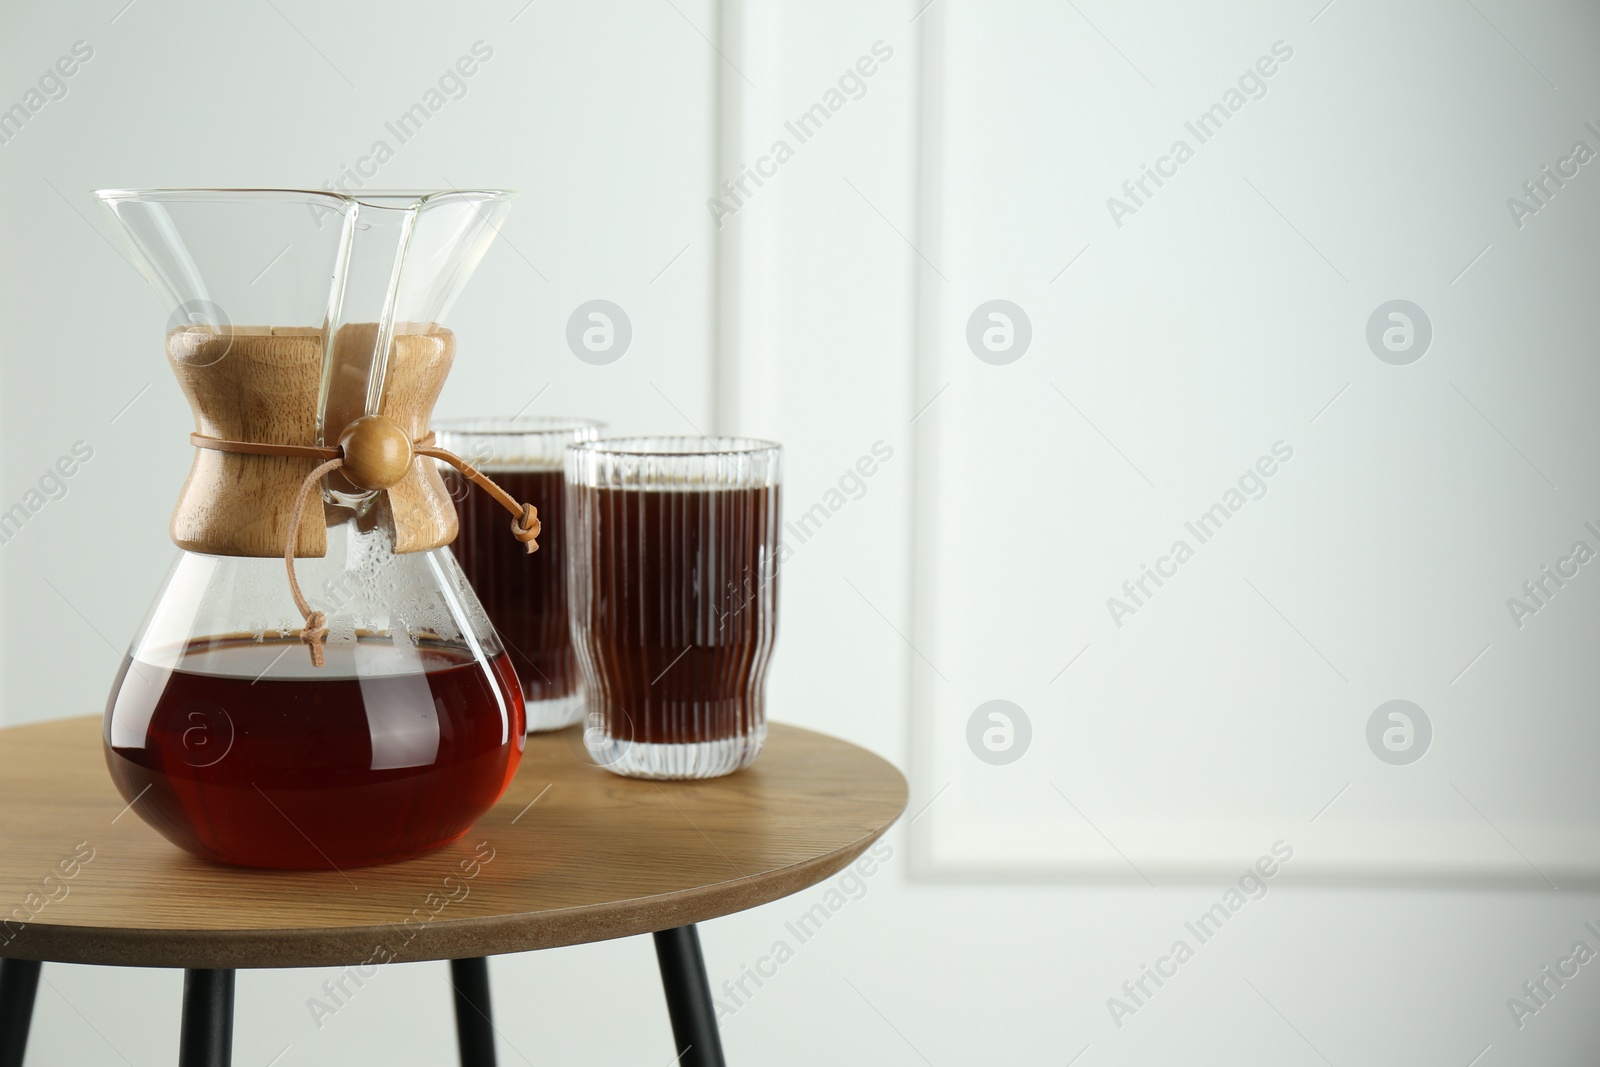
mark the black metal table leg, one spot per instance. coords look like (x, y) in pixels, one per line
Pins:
(207, 1036)
(474, 1018)
(683, 976)
(19, 981)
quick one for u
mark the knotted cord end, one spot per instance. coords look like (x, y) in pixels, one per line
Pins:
(314, 634)
(526, 527)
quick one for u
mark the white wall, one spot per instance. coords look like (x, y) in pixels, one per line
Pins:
(828, 312)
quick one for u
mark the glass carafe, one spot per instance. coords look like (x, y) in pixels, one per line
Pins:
(358, 709)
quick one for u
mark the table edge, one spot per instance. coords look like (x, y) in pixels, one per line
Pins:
(440, 939)
(443, 939)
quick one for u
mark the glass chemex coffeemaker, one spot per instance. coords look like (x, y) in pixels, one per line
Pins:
(316, 685)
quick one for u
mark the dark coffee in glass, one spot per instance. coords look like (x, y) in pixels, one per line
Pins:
(524, 595)
(673, 571)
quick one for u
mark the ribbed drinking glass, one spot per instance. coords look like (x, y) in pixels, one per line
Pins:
(672, 561)
(525, 596)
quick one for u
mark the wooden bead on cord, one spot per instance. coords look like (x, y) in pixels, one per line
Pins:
(377, 452)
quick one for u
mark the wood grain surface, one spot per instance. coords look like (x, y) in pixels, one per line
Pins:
(260, 384)
(421, 354)
(571, 854)
(247, 383)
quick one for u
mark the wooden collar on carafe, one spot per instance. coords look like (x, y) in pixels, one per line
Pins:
(374, 453)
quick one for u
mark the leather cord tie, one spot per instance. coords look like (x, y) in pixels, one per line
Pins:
(525, 524)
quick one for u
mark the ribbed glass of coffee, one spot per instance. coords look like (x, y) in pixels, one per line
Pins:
(673, 574)
(525, 595)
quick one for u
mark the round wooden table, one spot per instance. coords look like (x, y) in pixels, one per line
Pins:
(571, 854)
